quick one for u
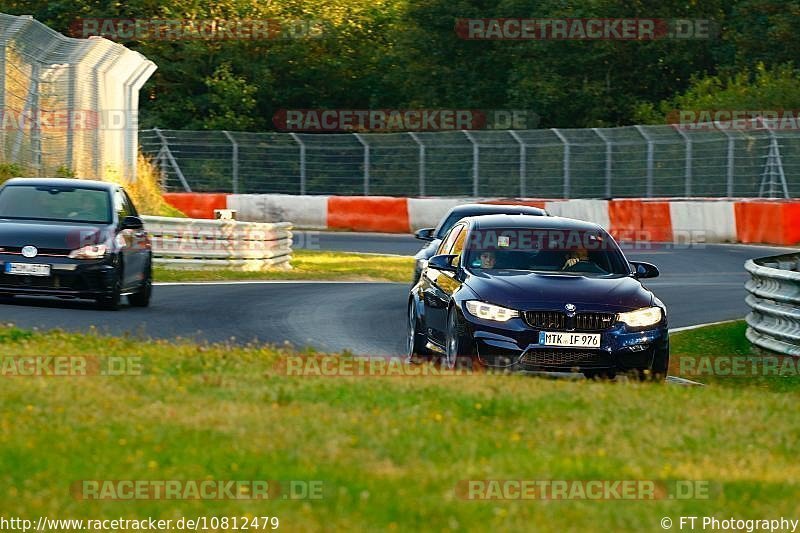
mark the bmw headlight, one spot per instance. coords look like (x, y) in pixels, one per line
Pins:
(647, 316)
(89, 252)
(490, 312)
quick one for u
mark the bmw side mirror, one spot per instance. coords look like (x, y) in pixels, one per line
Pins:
(642, 270)
(443, 262)
(132, 223)
(425, 234)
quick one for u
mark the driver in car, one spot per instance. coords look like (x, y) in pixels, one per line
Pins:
(488, 260)
(86, 209)
(574, 257)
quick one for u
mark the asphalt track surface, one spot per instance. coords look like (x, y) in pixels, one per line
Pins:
(699, 284)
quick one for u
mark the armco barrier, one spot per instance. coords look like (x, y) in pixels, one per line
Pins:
(664, 220)
(185, 243)
(774, 300)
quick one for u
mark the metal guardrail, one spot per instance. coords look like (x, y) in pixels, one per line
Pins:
(774, 299)
(186, 243)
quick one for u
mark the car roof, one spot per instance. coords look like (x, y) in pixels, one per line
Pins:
(527, 221)
(62, 182)
(498, 209)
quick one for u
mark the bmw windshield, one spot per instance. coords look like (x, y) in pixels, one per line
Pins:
(48, 203)
(571, 252)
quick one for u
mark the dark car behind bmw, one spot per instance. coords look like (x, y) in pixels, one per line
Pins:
(435, 235)
(540, 294)
(73, 239)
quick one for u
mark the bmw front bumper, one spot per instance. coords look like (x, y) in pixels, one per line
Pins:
(515, 345)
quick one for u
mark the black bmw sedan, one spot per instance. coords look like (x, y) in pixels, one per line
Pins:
(540, 294)
(73, 239)
(434, 235)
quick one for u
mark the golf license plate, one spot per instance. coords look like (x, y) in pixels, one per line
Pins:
(571, 340)
(27, 269)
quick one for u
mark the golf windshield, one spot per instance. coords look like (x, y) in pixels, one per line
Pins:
(68, 204)
(578, 252)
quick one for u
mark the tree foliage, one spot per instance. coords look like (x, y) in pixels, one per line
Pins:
(406, 54)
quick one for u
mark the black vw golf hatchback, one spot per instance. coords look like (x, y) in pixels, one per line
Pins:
(73, 239)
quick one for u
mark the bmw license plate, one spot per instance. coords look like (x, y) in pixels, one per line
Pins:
(27, 269)
(571, 340)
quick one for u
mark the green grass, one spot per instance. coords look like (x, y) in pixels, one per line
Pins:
(389, 450)
(710, 350)
(310, 265)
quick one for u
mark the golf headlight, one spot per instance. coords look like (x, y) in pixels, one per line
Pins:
(647, 316)
(89, 252)
(490, 312)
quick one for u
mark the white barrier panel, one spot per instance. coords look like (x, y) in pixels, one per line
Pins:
(703, 221)
(590, 210)
(303, 211)
(216, 244)
(427, 212)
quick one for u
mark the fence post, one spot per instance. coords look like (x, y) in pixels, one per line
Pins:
(72, 69)
(162, 167)
(609, 158)
(234, 162)
(421, 161)
(523, 162)
(476, 161)
(650, 157)
(366, 162)
(688, 164)
(302, 162)
(171, 158)
(731, 159)
(774, 159)
(566, 169)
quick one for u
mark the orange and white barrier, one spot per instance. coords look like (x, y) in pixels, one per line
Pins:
(197, 205)
(658, 220)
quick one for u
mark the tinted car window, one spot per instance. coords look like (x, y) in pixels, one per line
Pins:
(69, 204)
(122, 206)
(458, 245)
(580, 252)
(447, 244)
(130, 204)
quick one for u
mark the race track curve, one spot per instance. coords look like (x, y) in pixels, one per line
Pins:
(699, 284)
